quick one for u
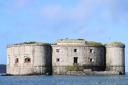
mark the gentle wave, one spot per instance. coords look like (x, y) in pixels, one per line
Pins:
(64, 80)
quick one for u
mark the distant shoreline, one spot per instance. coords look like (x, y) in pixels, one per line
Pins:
(2, 68)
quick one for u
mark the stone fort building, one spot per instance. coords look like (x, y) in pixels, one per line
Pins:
(66, 57)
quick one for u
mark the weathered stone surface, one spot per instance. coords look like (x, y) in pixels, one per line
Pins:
(115, 59)
(67, 56)
(38, 59)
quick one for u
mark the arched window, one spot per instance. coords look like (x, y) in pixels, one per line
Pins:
(27, 60)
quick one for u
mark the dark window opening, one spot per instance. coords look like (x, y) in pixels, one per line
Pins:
(75, 50)
(57, 59)
(120, 73)
(57, 50)
(91, 60)
(27, 60)
(16, 60)
(76, 60)
(91, 50)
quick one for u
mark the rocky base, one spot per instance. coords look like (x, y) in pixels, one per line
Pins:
(90, 73)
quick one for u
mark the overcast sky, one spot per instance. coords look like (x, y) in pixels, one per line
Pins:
(48, 20)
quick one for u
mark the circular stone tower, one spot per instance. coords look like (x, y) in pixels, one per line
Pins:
(29, 58)
(115, 57)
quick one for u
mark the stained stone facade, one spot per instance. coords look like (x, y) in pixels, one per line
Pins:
(66, 56)
(29, 59)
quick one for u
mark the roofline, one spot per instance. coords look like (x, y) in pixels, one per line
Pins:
(110, 46)
(17, 45)
(76, 45)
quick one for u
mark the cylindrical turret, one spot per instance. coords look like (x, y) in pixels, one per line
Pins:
(115, 57)
(29, 58)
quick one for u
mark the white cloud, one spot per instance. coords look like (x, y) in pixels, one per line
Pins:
(79, 12)
(84, 10)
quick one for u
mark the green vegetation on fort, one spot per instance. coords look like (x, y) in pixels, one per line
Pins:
(115, 44)
(72, 68)
(92, 43)
(33, 42)
(71, 40)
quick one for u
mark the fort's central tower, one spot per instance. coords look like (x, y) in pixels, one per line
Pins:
(77, 55)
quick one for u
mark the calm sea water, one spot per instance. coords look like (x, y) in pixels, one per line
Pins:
(64, 80)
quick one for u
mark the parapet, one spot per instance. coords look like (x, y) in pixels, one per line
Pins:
(29, 43)
(115, 44)
(78, 42)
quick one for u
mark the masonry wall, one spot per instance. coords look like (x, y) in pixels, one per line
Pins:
(66, 57)
(88, 58)
(115, 59)
(28, 59)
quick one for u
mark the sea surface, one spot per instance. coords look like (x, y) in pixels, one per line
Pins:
(64, 80)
